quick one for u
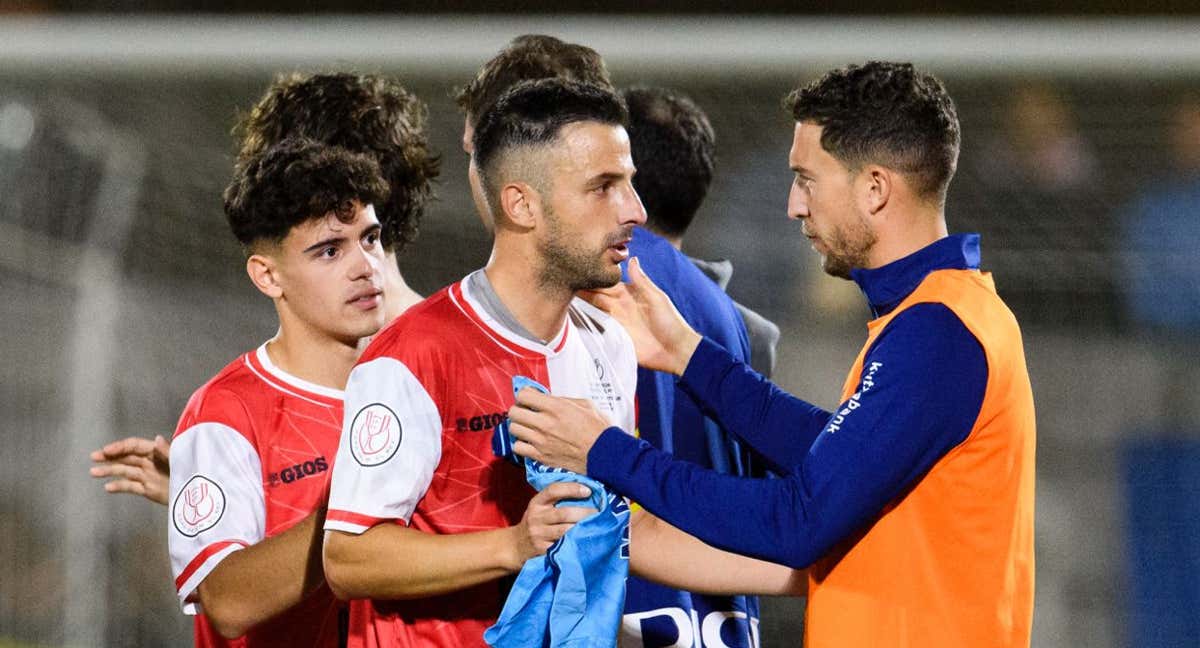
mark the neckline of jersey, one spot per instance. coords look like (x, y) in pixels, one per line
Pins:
(264, 360)
(475, 310)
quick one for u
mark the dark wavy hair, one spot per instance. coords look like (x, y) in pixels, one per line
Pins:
(673, 145)
(885, 113)
(361, 113)
(532, 113)
(295, 181)
(528, 58)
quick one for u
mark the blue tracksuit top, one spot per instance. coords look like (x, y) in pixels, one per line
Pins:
(572, 596)
(832, 482)
(670, 420)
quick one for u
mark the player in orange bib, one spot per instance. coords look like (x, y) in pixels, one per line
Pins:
(910, 505)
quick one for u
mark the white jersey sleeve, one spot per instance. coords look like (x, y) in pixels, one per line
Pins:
(390, 446)
(216, 503)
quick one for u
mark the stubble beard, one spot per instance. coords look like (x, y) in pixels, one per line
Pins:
(567, 265)
(849, 248)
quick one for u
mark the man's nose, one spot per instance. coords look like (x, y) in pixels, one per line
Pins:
(635, 213)
(797, 205)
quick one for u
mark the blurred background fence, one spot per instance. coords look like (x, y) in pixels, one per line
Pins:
(121, 290)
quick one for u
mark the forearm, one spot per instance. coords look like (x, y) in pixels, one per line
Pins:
(380, 563)
(264, 579)
(779, 426)
(762, 518)
(666, 555)
(919, 399)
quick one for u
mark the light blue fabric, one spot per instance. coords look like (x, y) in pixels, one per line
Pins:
(573, 596)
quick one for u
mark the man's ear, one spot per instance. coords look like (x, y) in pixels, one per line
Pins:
(877, 185)
(521, 203)
(264, 273)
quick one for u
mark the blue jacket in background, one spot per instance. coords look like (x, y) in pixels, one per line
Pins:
(669, 419)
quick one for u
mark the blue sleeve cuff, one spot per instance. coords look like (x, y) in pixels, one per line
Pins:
(709, 364)
(612, 455)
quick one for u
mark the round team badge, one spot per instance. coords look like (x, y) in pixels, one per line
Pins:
(374, 435)
(198, 507)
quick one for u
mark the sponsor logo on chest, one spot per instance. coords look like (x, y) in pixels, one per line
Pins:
(297, 471)
(479, 422)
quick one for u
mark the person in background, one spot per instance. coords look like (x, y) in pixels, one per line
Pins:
(1160, 228)
(673, 149)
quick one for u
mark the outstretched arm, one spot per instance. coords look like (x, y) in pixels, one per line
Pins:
(920, 395)
(666, 555)
(135, 465)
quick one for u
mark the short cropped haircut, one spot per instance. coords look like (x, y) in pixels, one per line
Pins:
(295, 181)
(533, 113)
(885, 113)
(362, 113)
(673, 147)
(528, 58)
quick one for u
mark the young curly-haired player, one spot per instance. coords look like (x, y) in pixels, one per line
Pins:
(362, 113)
(252, 450)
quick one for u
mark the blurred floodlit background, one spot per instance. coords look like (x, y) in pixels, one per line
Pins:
(121, 290)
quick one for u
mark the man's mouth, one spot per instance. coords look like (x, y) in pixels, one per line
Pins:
(621, 250)
(366, 299)
(621, 246)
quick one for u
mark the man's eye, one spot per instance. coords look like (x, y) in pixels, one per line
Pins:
(329, 252)
(372, 238)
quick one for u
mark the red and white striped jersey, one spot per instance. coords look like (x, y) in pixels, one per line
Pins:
(251, 458)
(416, 440)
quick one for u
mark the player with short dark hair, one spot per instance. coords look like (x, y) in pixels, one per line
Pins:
(535, 57)
(911, 505)
(895, 115)
(526, 58)
(423, 518)
(252, 450)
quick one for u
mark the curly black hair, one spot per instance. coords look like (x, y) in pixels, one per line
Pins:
(362, 113)
(528, 58)
(295, 181)
(673, 147)
(885, 113)
(532, 113)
